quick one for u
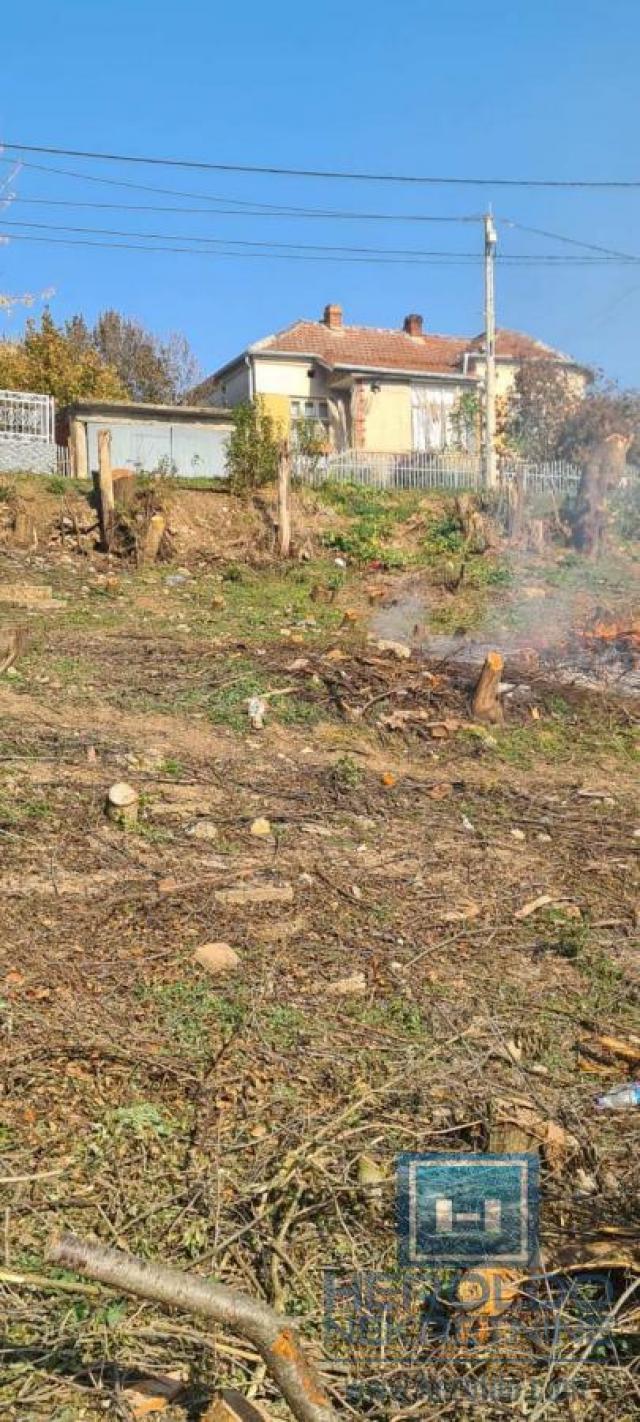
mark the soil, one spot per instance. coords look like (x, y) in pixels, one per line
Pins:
(219, 1123)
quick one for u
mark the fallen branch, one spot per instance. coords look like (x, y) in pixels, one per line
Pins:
(267, 1330)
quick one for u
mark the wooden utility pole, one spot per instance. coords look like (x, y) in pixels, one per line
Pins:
(284, 500)
(106, 502)
(490, 240)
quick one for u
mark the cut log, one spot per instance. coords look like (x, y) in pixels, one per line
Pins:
(268, 1332)
(150, 545)
(486, 704)
(105, 488)
(122, 805)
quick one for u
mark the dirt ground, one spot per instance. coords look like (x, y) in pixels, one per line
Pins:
(456, 927)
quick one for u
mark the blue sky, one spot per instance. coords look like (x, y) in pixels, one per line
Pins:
(536, 88)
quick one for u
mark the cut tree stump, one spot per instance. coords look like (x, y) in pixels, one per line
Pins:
(124, 488)
(150, 544)
(25, 534)
(122, 805)
(486, 703)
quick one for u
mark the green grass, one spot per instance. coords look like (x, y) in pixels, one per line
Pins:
(190, 1012)
(564, 739)
(17, 813)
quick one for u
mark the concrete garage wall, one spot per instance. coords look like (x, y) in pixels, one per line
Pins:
(188, 450)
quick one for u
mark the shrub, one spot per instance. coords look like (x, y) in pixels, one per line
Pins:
(252, 449)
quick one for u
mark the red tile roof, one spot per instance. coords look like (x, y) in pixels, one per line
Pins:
(382, 349)
(369, 346)
(516, 345)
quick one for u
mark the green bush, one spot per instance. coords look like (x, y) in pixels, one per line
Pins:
(252, 449)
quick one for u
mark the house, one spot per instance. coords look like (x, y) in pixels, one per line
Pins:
(183, 440)
(372, 389)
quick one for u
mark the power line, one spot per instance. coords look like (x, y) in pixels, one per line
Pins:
(571, 241)
(235, 212)
(213, 247)
(333, 174)
(240, 242)
(208, 252)
(253, 209)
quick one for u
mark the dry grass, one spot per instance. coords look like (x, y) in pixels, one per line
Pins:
(218, 1124)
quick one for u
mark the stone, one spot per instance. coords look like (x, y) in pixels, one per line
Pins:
(353, 986)
(217, 957)
(398, 649)
(203, 829)
(261, 828)
(255, 894)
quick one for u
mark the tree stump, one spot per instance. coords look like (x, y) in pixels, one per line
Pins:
(24, 529)
(150, 544)
(124, 488)
(602, 472)
(486, 704)
(122, 805)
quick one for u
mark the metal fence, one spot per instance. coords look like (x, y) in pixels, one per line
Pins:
(26, 416)
(441, 469)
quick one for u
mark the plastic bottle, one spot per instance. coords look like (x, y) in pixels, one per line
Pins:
(621, 1098)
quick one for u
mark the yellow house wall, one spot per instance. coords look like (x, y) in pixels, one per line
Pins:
(388, 418)
(278, 406)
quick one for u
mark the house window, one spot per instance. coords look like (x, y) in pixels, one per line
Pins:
(310, 417)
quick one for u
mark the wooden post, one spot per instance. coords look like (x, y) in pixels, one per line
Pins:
(78, 449)
(486, 703)
(105, 487)
(284, 500)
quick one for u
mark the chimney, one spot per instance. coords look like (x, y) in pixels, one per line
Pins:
(333, 317)
(413, 324)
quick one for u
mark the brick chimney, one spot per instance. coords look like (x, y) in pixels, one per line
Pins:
(413, 324)
(333, 317)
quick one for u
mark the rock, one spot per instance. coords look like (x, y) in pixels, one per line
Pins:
(256, 711)
(585, 1184)
(203, 829)
(255, 894)
(261, 828)
(217, 957)
(354, 986)
(518, 834)
(218, 602)
(122, 804)
(398, 649)
(168, 885)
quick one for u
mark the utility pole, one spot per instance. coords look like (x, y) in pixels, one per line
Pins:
(490, 240)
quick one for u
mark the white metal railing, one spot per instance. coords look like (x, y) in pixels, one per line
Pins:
(437, 469)
(25, 415)
(418, 469)
(556, 476)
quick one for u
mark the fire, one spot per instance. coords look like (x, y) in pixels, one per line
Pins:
(608, 628)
